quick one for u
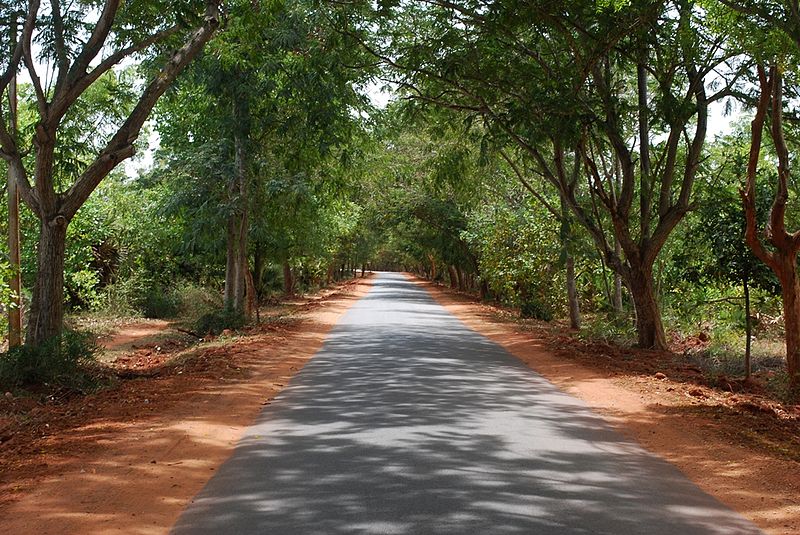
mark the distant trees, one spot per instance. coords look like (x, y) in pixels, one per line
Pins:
(606, 106)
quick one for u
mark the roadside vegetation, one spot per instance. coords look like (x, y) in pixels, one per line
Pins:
(562, 160)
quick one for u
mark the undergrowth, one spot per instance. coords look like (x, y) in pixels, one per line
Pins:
(67, 361)
(609, 329)
(219, 320)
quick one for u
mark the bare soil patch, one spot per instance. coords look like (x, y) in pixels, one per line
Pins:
(731, 440)
(129, 458)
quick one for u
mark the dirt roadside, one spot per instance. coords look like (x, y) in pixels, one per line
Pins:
(659, 414)
(128, 460)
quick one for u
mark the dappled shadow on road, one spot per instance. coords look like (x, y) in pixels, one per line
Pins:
(129, 459)
(409, 423)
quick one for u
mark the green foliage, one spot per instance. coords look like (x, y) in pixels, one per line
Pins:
(609, 329)
(535, 310)
(219, 320)
(6, 293)
(66, 361)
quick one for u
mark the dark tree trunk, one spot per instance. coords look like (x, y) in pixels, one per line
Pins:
(790, 291)
(617, 298)
(649, 327)
(230, 262)
(483, 290)
(572, 289)
(748, 329)
(572, 295)
(258, 271)
(288, 279)
(453, 274)
(236, 263)
(47, 304)
(251, 297)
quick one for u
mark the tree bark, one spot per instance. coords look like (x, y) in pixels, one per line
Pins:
(649, 327)
(748, 329)
(790, 292)
(572, 289)
(617, 300)
(572, 295)
(288, 279)
(453, 274)
(230, 262)
(47, 305)
(15, 310)
(483, 289)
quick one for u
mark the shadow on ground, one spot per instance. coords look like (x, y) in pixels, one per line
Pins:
(409, 423)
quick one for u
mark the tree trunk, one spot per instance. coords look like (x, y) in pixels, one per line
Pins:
(453, 274)
(47, 305)
(230, 262)
(790, 291)
(649, 327)
(288, 280)
(617, 300)
(236, 267)
(15, 310)
(483, 289)
(748, 329)
(572, 290)
(572, 295)
(251, 297)
(462, 282)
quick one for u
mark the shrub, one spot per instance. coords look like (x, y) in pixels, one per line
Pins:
(159, 303)
(609, 329)
(196, 301)
(536, 310)
(217, 321)
(66, 361)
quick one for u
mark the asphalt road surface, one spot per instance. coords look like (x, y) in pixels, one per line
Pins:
(407, 422)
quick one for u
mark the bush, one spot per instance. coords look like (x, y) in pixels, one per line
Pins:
(196, 301)
(609, 329)
(159, 303)
(217, 321)
(535, 310)
(64, 361)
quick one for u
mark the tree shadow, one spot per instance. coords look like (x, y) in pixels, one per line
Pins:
(407, 422)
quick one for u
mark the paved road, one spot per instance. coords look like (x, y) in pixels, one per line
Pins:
(407, 422)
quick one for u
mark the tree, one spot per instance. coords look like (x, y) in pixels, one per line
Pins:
(263, 112)
(552, 80)
(81, 44)
(782, 257)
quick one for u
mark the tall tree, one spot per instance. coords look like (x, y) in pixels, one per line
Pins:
(782, 256)
(270, 104)
(81, 42)
(554, 81)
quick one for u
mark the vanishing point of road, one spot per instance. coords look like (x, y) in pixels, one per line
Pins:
(407, 422)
